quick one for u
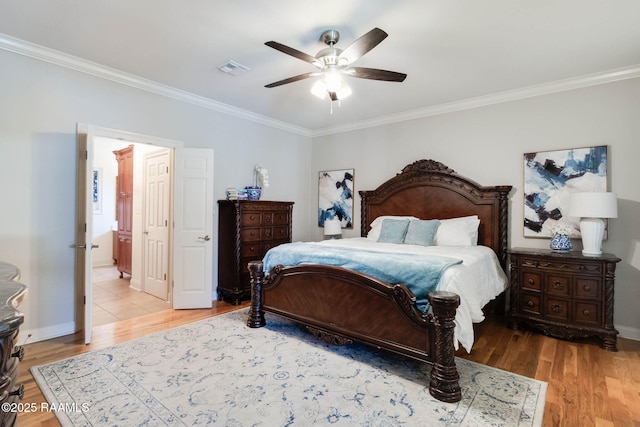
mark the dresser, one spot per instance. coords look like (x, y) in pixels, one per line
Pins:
(247, 229)
(565, 295)
(11, 295)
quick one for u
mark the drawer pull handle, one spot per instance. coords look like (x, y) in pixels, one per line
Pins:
(587, 287)
(530, 303)
(19, 353)
(268, 233)
(557, 285)
(586, 312)
(557, 308)
(531, 281)
(252, 217)
(253, 233)
(19, 392)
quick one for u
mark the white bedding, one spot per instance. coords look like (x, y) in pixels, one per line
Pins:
(478, 280)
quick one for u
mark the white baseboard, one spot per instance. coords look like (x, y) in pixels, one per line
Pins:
(629, 333)
(41, 334)
(135, 284)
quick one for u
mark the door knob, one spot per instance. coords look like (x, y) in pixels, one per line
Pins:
(205, 238)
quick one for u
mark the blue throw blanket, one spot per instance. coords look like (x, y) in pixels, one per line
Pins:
(419, 273)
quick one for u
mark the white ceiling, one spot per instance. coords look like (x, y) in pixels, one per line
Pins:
(453, 51)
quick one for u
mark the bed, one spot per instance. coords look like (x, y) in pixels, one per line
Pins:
(340, 305)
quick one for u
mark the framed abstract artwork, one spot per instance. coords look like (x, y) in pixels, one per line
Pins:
(97, 191)
(549, 179)
(335, 196)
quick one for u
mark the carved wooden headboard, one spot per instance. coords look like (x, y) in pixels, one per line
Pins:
(428, 189)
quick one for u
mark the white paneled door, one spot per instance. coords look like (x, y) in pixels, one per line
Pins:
(157, 214)
(193, 209)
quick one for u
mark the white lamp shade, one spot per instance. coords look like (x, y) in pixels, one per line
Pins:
(332, 227)
(593, 205)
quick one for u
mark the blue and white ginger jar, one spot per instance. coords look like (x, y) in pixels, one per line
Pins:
(561, 243)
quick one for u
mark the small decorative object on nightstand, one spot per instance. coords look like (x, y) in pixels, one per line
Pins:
(560, 240)
(566, 295)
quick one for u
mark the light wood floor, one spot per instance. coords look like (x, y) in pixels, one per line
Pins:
(114, 300)
(588, 386)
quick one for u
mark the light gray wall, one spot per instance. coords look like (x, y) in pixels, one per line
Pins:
(487, 144)
(41, 103)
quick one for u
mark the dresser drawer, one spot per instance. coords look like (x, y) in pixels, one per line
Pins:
(255, 250)
(251, 235)
(587, 288)
(557, 309)
(251, 219)
(588, 313)
(530, 303)
(281, 218)
(571, 266)
(531, 281)
(556, 284)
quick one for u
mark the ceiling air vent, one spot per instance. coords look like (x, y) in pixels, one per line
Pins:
(233, 68)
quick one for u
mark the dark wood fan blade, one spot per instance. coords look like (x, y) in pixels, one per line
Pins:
(363, 45)
(375, 74)
(333, 96)
(291, 79)
(293, 52)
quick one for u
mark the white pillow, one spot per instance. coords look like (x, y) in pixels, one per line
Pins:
(462, 231)
(376, 225)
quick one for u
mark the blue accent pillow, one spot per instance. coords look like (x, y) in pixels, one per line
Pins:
(421, 232)
(393, 230)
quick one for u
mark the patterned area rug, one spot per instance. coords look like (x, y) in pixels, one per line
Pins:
(220, 372)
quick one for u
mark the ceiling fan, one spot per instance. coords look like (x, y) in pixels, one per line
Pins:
(333, 62)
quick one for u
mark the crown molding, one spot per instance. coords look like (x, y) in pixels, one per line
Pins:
(594, 79)
(62, 59)
(52, 56)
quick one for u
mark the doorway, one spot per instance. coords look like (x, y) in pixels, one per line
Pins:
(144, 288)
(190, 248)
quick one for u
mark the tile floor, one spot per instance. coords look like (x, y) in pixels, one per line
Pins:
(114, 300)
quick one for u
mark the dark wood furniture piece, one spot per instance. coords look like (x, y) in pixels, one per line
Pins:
(247, 229)
(565, 295)
(124, 208)
(11, 295)
(341, 306)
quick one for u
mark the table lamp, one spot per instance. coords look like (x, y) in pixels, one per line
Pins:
(592, 208)
(332, 228)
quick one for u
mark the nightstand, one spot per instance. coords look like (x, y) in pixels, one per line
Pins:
(564, 294)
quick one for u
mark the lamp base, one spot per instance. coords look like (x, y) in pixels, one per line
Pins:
(592, 230)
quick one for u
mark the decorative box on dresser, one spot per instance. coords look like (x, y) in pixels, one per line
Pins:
(11, 295)
(564, 294)
(247, 229)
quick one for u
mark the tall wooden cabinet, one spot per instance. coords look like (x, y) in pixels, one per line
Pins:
(247, 230)
(124, 208)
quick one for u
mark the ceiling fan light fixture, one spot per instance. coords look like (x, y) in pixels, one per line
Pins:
(319, 89)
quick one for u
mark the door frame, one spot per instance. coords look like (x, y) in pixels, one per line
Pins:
(83, 294)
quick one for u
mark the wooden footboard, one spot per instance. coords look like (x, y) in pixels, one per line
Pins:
(341, 306)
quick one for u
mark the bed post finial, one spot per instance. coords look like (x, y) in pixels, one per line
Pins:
(444, 384)
(256, 314)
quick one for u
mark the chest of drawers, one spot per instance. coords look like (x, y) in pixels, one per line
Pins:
(247, 230)
(565, 295)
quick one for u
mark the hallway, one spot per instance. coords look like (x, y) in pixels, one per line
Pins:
(113, 300)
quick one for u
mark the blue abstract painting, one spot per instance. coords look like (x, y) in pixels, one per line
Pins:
(549, 179)
(335, 197)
